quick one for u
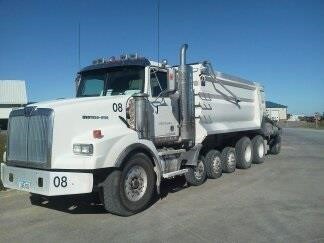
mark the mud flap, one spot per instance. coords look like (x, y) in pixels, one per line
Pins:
(191, 156)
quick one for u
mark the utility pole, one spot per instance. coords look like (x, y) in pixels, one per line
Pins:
(317, 118)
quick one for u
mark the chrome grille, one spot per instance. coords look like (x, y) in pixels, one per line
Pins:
(18, 138)
(38, 138)
(30, 137)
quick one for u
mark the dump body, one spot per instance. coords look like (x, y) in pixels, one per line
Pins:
(225, 103)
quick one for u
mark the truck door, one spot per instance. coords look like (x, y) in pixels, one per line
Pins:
(164, 109)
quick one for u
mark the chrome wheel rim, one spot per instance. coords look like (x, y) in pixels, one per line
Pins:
(248, 153)
(231, 160)
(216, 165)
(199, 170)
(135, 183)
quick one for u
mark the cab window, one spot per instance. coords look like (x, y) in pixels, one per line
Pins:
(123, 80)
(158, 82)
(93, 85)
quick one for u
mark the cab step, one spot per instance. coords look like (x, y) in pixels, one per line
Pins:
(175, 173)
(170, 152)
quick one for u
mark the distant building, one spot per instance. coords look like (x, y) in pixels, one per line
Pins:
(12, 95)
(295, 117)
(276, 111)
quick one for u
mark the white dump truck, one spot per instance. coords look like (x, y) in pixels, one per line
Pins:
(133, 123)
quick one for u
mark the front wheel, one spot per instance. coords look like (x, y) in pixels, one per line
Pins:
(129, 191)
(36, 199)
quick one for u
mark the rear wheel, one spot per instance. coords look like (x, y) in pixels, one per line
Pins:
(129, 191)
(275, 145)
(228, 159)
(258, 149)
(213, 161)
(197, 175)
(244, 153)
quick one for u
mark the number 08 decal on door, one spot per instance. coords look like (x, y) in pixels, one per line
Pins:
(117, 107)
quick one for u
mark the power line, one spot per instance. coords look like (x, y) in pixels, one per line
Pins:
(79, 47)
(158, 31)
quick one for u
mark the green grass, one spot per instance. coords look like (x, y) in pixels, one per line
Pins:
(3, 139)
(312, 125)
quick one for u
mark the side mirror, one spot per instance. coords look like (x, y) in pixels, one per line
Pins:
(204, 69)
(171, 82)
(77, 83)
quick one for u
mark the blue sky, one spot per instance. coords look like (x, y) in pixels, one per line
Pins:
(279, 43)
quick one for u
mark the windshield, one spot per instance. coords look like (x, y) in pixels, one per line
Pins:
(108, 82)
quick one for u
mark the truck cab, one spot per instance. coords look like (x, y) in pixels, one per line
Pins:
(124, 78)
(57, 147)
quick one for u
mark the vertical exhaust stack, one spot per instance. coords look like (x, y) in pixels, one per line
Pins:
(187, 109)
(141, 116)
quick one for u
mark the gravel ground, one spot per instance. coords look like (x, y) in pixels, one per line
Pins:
(281, 200)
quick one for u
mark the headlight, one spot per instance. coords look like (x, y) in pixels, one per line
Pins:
(85, 149)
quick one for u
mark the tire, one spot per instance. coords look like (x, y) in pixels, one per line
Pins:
(258, 150)
(128, 191)
(244, 151)
(275, 145)
(198, 174)
(36, 199)
(213, 162)
(228, 159)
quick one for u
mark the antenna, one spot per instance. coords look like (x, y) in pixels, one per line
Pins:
(158, 31)
(79, 46)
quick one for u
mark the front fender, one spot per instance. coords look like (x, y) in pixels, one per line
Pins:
(127, 144)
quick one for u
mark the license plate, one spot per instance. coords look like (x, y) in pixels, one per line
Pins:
(23, 184)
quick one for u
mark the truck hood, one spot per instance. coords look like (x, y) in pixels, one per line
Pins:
(54, 104)
(74, 121)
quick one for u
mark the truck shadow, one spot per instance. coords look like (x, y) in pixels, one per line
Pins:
(90, 203)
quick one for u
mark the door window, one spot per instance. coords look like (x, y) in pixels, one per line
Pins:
(158, 82)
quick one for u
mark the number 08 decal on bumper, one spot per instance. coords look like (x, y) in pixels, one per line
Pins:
(49, 183)
(60, 181)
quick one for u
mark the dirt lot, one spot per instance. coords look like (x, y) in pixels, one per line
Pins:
(281, 200)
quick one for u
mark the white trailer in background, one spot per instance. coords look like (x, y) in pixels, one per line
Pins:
(134, 123)
(12, 95)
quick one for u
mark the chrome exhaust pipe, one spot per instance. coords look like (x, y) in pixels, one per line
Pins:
(183, 54)
(187, 109)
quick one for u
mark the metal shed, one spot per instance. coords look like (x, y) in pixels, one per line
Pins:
(276, 111)
(13, 94)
